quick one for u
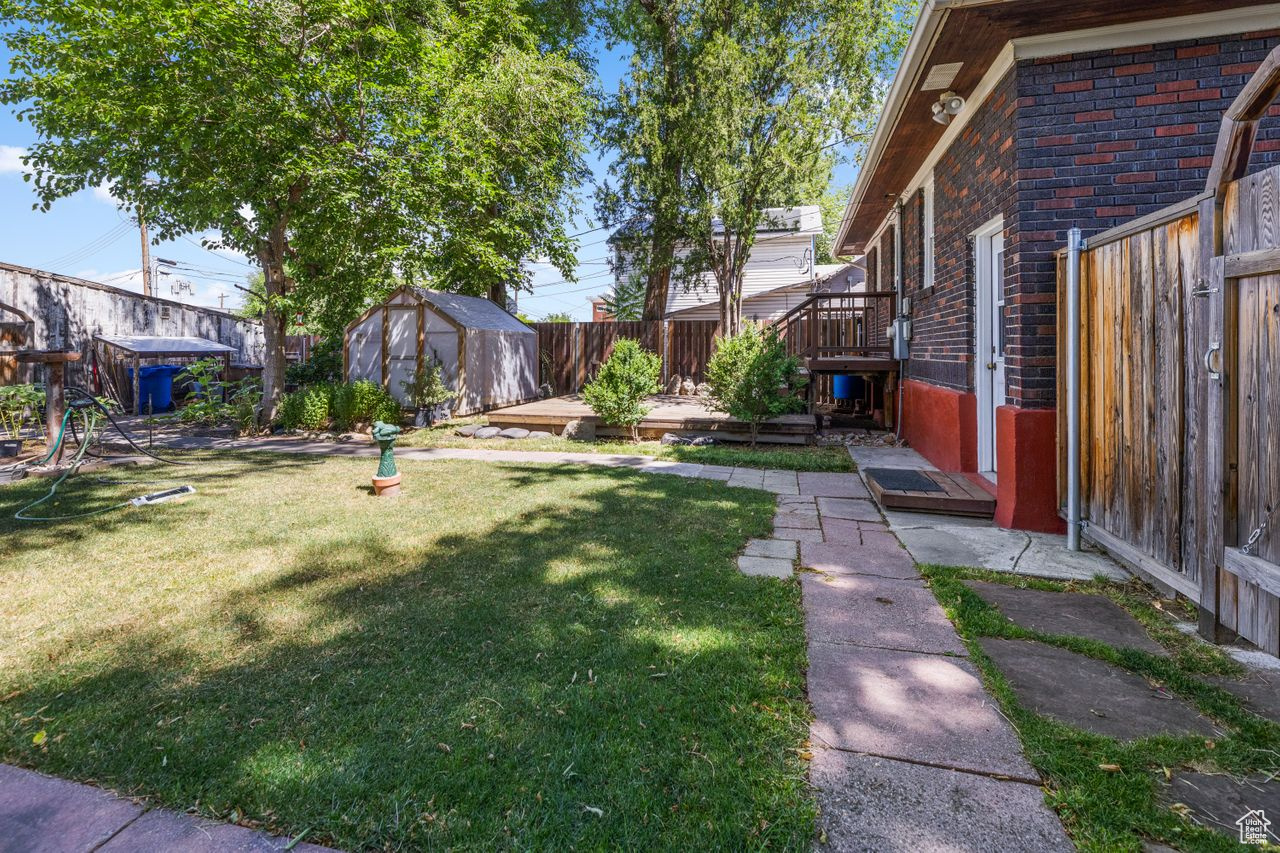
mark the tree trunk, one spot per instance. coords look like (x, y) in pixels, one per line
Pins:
(498, 295)
(271, 254)
(655, 290)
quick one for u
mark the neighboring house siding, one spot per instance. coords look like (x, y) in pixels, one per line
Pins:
(1103, 138)
(774, 261)
(973, 183)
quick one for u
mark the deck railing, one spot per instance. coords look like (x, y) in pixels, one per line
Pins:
(838, 327)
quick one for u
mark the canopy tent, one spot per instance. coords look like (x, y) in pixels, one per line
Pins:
(486, 355)
(112, 354)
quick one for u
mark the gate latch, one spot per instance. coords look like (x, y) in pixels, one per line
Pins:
(1214, 347)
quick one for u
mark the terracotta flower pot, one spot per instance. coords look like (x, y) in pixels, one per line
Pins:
(386, 487)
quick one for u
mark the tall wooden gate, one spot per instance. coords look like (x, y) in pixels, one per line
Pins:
(1180, 387)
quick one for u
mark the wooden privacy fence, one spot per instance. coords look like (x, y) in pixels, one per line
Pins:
(569, 354)
(1180, 387)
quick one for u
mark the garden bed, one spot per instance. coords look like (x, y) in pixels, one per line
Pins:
(504, 656)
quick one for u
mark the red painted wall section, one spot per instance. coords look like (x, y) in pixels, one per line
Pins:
(1027, 462)
(941, 425)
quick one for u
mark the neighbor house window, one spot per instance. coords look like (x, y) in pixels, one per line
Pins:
(926, 226)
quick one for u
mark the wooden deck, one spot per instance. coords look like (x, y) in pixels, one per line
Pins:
(680, 415)
(958, 495)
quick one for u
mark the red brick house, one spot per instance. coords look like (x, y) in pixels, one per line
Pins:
(1008, 122)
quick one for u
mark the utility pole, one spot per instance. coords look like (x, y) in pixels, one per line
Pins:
(146, 254)
(222, 298)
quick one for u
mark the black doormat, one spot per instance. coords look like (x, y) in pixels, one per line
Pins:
(902, 480)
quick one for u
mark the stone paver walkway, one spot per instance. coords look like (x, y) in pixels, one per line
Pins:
(40, 813)
(909, 751)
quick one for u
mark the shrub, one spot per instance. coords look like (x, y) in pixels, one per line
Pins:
(306, 408)
(18, 404)
(629, 375)
(362, 402)
(325, 364)
(750, 377)
(426, 388)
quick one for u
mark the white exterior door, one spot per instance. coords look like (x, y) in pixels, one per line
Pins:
(989, 373)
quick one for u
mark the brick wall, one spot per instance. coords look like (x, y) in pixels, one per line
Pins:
(973, 182)
(1103, 138)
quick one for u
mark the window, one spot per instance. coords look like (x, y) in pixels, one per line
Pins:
(926, 226)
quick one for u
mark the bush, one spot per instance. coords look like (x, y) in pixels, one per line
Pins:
(629, 375)
(306, 408)
(325, 364)
(362, 402)
(18, 405)
(750, 377)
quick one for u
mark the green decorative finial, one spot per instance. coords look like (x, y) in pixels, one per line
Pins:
(385, 435)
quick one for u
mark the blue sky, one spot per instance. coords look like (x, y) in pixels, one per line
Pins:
(86, 235)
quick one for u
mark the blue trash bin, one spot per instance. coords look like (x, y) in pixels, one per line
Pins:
(155, 387)
(843, 386)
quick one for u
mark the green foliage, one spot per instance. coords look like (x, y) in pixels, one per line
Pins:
(18, 405)
(731, 108)
(626, 300)
(628, 375)
(339, 143)
(751, 377)
(362, 402)
(325, 364)
(427, 387)
(306, 408)
(558, 317)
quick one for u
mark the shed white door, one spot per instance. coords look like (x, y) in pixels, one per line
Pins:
(402, 348)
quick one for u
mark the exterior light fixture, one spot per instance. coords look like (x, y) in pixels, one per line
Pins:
(947, 105)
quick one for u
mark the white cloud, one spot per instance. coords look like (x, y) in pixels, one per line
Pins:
(102, 192)
(11, 159)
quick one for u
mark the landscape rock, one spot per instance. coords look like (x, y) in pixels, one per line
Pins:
(701, 440)
(670, 438)
(487, 432)
(579, 430)
(687, 387)
(540, 433)
(468, 431)
(545, 390)
(702, 389)
(673, 385)
(514, 432)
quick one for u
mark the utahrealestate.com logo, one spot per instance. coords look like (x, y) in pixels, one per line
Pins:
(1253, 827)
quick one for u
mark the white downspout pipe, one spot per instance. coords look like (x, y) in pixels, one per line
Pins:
(1074, 246)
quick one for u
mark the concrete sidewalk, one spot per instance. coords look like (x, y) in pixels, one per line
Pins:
(40, 814)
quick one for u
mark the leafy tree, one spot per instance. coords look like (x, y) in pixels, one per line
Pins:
(833, 205)
(628, 375)
(763, 94)
(626, 300)
(643, 124)
(750, 377)
(558, 317)
(337, 142)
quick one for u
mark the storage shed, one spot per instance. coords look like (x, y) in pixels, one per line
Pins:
(487, 356)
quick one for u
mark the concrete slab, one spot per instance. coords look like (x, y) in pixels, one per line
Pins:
(1260, 692)
(1218, 801)
(797, 505)
(849, 508)
(878, 805)
(784, 549)
(845, 531)
(165, 830)
(1094, 616)
(716, 472)
(780, 482)
(798, 534)
(40, 813)
(1013, 551)
(795, 519)
(925, 708)
(880, 612)
(899, 519)
(750, 478)
(1090, 694)
(889, 457)
(770, 567)
(831, 485)
(858, 560)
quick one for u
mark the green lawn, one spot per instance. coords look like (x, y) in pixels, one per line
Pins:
(1104, 808)
(504, 657)
(788, 457)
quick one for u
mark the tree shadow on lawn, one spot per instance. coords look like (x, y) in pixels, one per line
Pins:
(489, 688)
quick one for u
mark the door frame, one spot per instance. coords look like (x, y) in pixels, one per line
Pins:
(983, 340)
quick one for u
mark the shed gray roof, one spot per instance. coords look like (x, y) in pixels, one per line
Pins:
(165, 345)
(472, 311)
